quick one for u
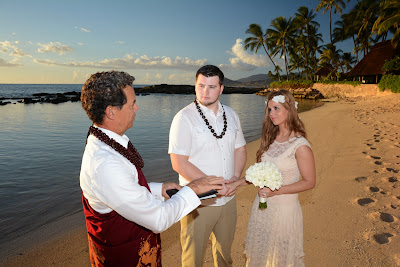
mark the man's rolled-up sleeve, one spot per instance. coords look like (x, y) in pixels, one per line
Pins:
(118, 187)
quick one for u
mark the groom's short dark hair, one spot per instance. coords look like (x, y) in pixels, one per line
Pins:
(210, 71)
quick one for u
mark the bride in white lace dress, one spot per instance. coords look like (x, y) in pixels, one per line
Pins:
(275, 235)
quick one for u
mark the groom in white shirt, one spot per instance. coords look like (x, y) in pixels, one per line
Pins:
(206, 139)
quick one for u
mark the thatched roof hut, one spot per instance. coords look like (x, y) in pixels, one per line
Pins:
(324, 71)
(372, 63)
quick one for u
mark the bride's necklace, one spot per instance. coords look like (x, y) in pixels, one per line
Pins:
(130, 153)
(208, 124)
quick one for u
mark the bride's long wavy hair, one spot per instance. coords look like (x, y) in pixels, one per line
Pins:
(270, 131)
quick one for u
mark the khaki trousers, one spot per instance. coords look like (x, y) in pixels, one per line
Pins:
(196, 228)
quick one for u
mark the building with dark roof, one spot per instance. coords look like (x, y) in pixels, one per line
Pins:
(324, 71)
(370, 67)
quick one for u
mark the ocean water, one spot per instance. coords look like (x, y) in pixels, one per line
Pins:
(42, 144)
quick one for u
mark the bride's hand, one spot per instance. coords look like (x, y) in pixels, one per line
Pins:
(264, 192)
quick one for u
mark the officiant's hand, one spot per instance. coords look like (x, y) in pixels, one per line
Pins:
(205, 184)
(168, 186)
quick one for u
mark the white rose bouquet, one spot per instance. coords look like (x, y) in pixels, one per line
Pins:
(264, 174)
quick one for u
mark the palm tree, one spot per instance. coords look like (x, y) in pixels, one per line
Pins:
(347, 60)
(305, 19)
(364, 15)
(326, 5)
(277, 70)
(389, 19)
(256, 41)
(330, 55)
(315, 47)
(280, 36)
(296, 62)
(346, 29)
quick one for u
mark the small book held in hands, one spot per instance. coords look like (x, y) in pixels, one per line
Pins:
(206, 195)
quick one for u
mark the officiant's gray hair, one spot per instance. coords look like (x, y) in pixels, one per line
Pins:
(104, 89)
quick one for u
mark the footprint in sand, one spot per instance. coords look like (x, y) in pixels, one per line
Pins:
(365, 201)
(386, 217)
(378, 162)
(375, 157)
(374, 189)
(392, 179)
(382, 238)
(360, 179)
(383, 216)
(392, 170)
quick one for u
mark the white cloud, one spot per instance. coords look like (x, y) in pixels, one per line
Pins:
(79, 76)
(12, 50)
(242, 60)
(130, 62)
(18, 53)
(82, 29)
(75, 75)
(183, 78)
(4, 63)
(120, 42)
(54, 47)
(150, 78)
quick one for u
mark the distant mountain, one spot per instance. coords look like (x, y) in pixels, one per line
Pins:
(253, 78)
(259, 80)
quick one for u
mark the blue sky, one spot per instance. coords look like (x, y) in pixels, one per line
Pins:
(156, 41)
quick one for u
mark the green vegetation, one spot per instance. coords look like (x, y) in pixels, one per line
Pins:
(392, 66)
(391, 82)
(292, 84)
(354, 83)
(298, 41)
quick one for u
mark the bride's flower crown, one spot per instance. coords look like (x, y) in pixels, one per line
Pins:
(281, 99)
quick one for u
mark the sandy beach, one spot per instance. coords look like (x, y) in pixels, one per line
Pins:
(351, 217)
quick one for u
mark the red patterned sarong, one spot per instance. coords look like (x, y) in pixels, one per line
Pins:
(115, 241)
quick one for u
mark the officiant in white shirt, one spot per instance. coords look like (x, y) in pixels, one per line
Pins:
(124, 213)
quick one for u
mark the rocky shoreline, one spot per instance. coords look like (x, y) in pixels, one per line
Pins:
(58, 98)
(303, 93)
(74, 96)
(189, 89)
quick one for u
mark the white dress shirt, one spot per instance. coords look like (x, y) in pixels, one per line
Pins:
(190, 136)
(109, 182)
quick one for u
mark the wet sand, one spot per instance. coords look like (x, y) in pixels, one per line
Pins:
(351, 217)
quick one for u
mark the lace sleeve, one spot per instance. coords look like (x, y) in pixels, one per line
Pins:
(301, 141)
